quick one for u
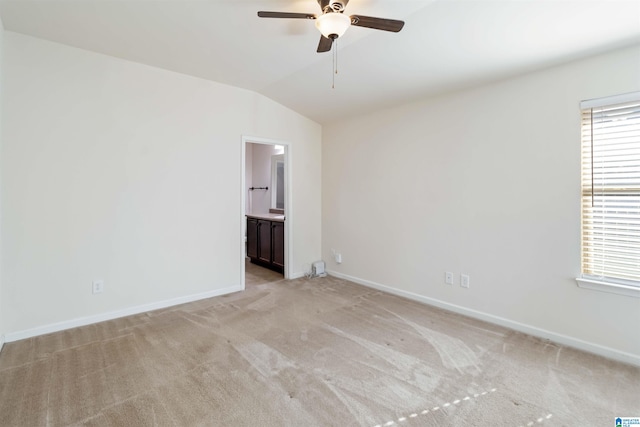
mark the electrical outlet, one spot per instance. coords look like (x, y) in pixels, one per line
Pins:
(337, 256)
(464, 280)
(448, 278)
(97, 286)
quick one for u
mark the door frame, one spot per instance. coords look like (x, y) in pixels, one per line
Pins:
(288, 202)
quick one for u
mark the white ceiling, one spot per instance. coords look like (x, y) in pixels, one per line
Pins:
(445, 44)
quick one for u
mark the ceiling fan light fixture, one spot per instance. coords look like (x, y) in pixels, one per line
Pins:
(333, 24)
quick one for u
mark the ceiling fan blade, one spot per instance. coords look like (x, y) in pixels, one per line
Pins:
(324, 45)
(377, 23)
(293, 15)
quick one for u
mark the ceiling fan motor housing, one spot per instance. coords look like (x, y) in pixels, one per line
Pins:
(333, 5)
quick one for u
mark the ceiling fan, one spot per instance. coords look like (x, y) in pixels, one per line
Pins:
(332, 23)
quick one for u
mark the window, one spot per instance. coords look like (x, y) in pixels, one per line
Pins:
(611, 194)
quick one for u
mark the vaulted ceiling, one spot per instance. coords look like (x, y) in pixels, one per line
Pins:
(445, 44)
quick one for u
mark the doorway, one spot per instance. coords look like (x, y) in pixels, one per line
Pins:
(266, 196)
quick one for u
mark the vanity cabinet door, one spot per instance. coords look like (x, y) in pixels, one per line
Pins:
(277, 249)
(265, 243)
(264, 240)
(252, 238)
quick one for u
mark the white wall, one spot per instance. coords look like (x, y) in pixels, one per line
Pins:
(261, 177)
(2, 309)
(485, 182)
(118, 171)
(248, 175)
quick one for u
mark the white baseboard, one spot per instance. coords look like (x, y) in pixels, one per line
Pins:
(520, 327)
(296, 275)
(83, 321)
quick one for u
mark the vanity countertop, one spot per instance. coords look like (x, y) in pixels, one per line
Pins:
(267, 216)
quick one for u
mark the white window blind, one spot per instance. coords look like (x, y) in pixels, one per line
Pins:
(611, 191)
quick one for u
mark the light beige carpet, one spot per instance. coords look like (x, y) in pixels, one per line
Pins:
(307, 352)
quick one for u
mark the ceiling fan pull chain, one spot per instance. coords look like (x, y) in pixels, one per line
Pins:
(336, 48)
(335, 70)
(335, 63)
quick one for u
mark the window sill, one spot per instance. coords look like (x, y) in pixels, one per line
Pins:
(612, 288)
